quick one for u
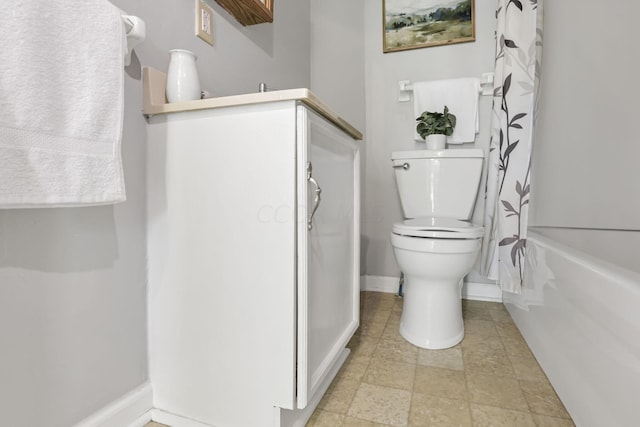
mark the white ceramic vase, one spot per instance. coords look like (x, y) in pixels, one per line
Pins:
(182, 77)
(436, 141)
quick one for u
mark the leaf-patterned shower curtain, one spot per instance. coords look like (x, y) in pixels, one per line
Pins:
(517, 74)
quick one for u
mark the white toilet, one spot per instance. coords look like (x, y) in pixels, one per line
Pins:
(436, 246)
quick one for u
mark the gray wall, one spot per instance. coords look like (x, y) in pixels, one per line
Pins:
(585, 172)
(337, 67)
(390, 125)
(73, 281)
(337, 57)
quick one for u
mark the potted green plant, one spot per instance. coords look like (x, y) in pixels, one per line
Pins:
(434, 127)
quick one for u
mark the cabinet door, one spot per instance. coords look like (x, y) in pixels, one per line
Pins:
(328, 248)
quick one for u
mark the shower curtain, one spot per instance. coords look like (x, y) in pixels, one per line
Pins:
(516, 78)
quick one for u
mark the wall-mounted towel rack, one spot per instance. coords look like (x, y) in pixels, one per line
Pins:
(136, 32)
(405, 87)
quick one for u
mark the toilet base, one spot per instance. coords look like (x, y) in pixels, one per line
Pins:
(433, 273)
(432, 314)
(431, 344)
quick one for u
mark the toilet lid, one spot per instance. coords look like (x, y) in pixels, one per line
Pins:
(441, 228)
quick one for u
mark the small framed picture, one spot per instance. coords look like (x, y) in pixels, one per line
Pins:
(414, 24)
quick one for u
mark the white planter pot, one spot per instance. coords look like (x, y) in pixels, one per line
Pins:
(436, 142)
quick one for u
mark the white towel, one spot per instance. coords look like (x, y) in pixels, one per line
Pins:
(460, 95)
(61, 103)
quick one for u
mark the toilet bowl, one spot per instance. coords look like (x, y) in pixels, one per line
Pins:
(435, 254)
(437, 245)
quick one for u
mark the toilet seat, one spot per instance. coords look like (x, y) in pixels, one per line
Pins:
(439, 228)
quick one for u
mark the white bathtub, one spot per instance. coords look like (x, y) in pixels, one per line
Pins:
(581, 317)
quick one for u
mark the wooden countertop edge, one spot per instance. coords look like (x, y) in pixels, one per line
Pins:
(154, 101)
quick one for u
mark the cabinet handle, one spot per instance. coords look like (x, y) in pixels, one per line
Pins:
(316, 202)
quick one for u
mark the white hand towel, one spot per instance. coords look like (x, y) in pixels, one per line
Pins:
(61, 103)
(460, 95)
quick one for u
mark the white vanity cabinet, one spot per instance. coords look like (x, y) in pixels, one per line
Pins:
(253, 296)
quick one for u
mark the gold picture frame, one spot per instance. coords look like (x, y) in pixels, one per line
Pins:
(415, 24)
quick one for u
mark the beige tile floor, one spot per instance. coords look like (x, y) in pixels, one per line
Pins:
(490, 379)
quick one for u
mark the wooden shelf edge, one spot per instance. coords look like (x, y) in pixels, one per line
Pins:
(249, 12)
(154, 83)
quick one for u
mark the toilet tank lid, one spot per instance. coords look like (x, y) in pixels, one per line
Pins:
(431, 154)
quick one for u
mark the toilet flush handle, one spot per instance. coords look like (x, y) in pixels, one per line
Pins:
(404, 166)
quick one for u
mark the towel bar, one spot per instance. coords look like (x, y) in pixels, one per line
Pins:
(136, 33)
(405, 87)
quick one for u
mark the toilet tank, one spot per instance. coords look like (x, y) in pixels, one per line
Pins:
(438, 183)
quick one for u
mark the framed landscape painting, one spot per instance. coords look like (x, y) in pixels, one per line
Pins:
(413, 24)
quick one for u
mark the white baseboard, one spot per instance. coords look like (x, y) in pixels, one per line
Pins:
(379, 284)
(131, 410)
(470, 290)
(142, 421)
(482, 291)
(173, 420)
